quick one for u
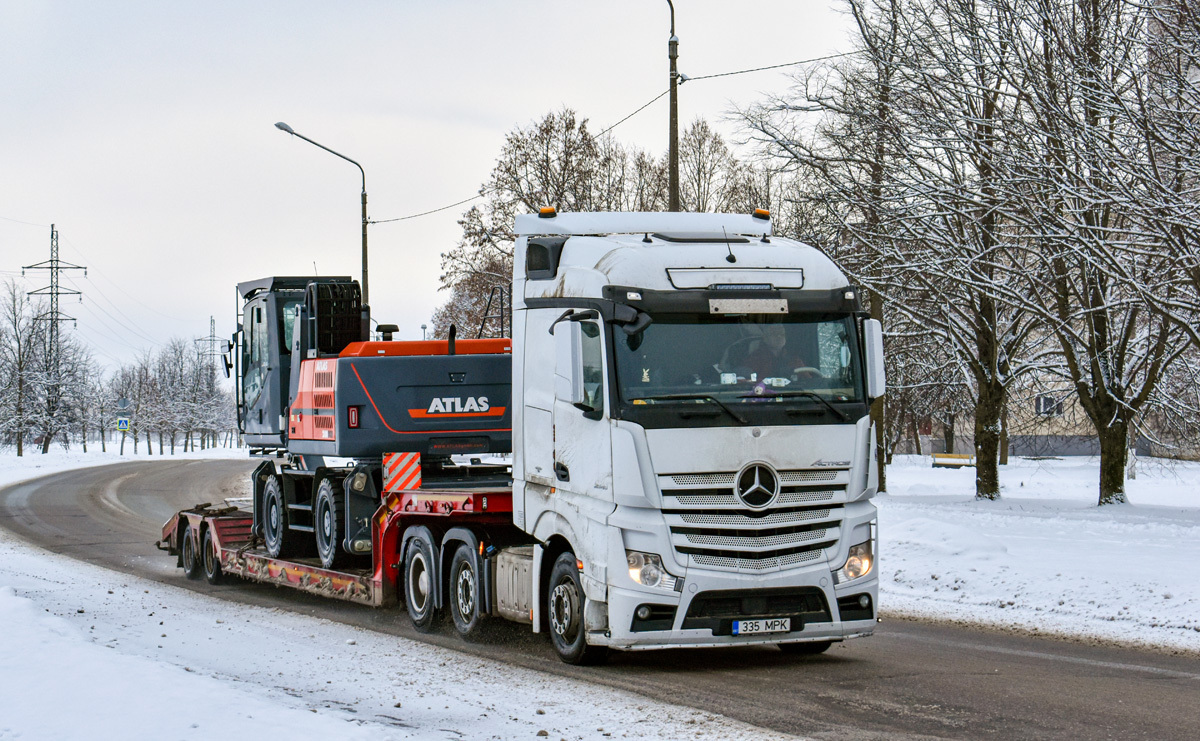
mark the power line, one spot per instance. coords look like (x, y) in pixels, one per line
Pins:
(26, 223)
(774, 66)
(643, 107)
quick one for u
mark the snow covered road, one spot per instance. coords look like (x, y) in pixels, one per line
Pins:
(170, 655)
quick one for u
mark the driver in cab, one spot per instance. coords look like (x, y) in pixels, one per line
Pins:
(773, 358)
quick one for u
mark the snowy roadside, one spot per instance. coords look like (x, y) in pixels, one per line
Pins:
(90, 653)
(1044, 559)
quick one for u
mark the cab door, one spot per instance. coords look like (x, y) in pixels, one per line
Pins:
(582, 442)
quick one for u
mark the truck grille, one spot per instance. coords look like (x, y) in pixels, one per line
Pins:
(713, 528)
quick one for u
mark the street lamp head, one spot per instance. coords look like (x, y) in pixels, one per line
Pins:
(284, 127)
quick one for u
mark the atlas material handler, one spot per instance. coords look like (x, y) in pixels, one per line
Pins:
(685, 398)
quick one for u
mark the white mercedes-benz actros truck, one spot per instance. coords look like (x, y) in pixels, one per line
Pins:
(691, 434)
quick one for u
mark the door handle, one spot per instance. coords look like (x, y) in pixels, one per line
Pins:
(562, 472)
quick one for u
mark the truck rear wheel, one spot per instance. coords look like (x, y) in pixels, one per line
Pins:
(281, 542)
(329, 520)
(211, 559)
(420, 575)
(187, 554)
(565, 600)
(465, 608)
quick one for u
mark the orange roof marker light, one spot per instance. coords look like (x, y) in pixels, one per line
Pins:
(761, 213)
(547, 212)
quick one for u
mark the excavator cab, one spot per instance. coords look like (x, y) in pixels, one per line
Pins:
(285, 320)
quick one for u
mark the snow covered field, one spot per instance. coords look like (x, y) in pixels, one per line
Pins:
(87, 653)
(1044, 558)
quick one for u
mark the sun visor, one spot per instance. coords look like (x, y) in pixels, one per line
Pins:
(765, 278)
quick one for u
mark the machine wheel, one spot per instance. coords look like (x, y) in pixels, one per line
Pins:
(565, 601)
(187, 554)
(281, 542)
(211, 559)
(420, 575)
(329, 520)
(810, 648)
(470, 616)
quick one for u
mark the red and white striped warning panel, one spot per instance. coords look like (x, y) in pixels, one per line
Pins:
(401, 471)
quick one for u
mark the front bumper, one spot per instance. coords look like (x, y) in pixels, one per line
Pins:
(703, 612)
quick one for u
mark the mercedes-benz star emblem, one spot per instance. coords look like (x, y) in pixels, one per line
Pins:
(757, 485)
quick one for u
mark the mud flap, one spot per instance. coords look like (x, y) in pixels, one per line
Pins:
(259, 480)
(360, 508)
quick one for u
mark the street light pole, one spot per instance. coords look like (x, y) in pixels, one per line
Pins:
(673, 155)
(284, 127)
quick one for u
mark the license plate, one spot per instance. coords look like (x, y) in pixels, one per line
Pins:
(766, 625)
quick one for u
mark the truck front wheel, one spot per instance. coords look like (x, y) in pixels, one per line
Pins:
(330, 521)
(469, 615)
(419, 582)
(565, 600)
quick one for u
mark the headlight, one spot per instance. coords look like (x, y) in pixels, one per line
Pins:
(647, 569)
(858, 564)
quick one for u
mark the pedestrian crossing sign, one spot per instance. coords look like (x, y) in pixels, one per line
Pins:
(122, 424)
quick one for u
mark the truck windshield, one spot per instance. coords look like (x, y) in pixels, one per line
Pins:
(748, 369)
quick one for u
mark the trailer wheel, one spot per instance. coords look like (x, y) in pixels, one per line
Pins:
(212, 560)
(329, 520)
(420, 580)
(469, 615)
(281, 542)
(565, 600)
(187, 554)
(809, 648)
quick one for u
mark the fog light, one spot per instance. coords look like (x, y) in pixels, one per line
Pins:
(864, 601)
(643, 612)
(359, 482)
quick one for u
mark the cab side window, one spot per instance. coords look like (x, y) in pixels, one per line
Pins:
(593, 365)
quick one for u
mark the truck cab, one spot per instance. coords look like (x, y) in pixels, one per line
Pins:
(691, 420)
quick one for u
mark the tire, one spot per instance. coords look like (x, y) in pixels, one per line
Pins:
(280, 540)
(420, 582)
(565, 602)
(329, 523)
(810, 648)
(470, 617)
(187, 554)
(211, 559)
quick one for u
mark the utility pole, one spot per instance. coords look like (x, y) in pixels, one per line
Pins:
(54, 316)
(673, 155)
(208, 360)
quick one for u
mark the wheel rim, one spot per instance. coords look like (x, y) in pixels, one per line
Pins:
(465, 592)
(210, 557)
(563, 610)
(325, 530)
(418, 583)
(189, 551)
(272, 524)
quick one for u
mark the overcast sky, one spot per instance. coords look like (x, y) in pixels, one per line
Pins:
(145, 132)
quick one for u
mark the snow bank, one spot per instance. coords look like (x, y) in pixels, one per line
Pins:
(1045, 558)
(88, 653)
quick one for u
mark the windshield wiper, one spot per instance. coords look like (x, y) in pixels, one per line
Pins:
(803, 394)
(695, 397)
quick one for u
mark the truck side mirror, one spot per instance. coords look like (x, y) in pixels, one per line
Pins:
(568, 362)
(873, 357)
